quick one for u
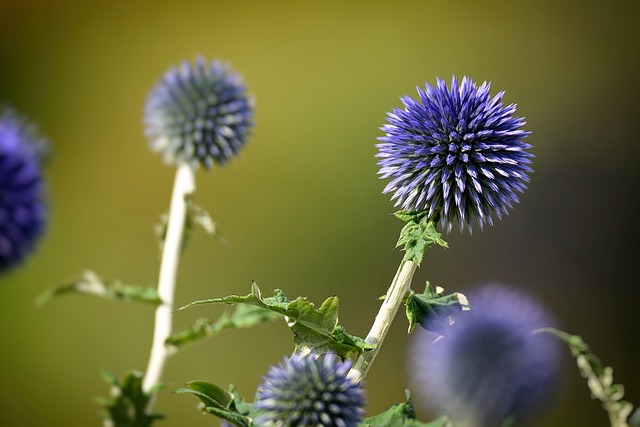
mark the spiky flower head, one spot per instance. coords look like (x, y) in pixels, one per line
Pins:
(490, 365)
(309, 391)
(22, 205)
(455, 153)
(198, 113)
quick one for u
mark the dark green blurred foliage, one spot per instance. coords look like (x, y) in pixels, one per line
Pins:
(302, 207)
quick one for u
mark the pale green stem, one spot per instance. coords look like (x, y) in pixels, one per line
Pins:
(600, 385)
(388, 310)
(184, 184)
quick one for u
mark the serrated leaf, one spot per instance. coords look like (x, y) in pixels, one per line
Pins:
(418, 235)
(315, 330)
(433, 310)
(401, 415)
(90, 283)
(128, 402)
(220, 402)
(242, 316)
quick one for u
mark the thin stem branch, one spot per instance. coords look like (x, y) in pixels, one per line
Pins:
(599, 378)
(183, 185)
(388, 310)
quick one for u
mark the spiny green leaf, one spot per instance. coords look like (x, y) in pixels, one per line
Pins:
(90, 283)
(242, 316)
(128, 402)
(418, 235)
(402, 415)
(432, 309)
(315, 329)
(220, 402)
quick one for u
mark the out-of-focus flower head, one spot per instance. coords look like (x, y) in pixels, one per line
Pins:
(455, 153)
(198, 113)
(22, 206)
(489, 365)
(309, 391)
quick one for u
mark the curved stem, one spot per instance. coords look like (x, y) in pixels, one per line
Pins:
(388, 310)
(183, 185)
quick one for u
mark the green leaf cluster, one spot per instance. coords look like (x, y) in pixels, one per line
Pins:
(432, 309)
(127, 406)
(315, 329)
(418, 235)
(89, 283)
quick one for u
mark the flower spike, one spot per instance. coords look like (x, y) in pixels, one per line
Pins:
(309, 391)
(199, 114)
(22, 194)
(456, 153)
(490, 365)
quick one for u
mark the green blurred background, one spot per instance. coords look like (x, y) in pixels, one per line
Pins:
(302, 207)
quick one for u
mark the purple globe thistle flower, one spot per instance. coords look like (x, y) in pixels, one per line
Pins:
(489, 366)
(22, 206)
(456, 153)
(309, 391)
(198, 114)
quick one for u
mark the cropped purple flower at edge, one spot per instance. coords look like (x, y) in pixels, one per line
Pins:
(489, 365)
(22, 206)
(457, 154)
(199, 114)
(308, 391)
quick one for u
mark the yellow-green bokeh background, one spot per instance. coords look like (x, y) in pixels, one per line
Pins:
(302, 207)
